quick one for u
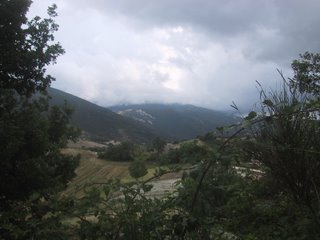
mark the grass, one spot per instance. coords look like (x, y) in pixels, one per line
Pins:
(92, 170)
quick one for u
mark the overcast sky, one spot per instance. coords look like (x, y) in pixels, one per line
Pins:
(202, 52)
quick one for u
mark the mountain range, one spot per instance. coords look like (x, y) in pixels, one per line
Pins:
(99, 123)
(141, 122)
(176, 121)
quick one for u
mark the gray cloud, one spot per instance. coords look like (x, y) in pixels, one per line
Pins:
(206, 53)
(281, 29)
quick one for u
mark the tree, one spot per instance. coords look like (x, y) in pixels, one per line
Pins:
(30, 136)
(307, 73)
(158, 144)
(119, 152)
(32, 168)
(26, 48)
(137, 169)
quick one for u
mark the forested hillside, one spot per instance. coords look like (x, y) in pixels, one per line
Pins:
(100, 123)
(141, 123)
(177, 121)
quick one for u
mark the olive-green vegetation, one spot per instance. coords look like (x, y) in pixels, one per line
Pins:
(176, 121)
(32, 169)
(138, 169)
(169, 122)
(117, 152)
(187, 152)
(263, 184)
(99, 123)
(158, 144)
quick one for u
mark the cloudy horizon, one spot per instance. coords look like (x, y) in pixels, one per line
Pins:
(205, 53)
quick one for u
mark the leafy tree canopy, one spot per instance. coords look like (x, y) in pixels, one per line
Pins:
(119, 152)
(137, 169)
(27, 47)
(307, 73)
(158, 144)
(30, 135)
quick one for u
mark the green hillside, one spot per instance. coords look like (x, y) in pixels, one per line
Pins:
(176, 121)
(101, 123)
(141, 123)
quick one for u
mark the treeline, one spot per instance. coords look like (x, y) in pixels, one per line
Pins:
(158, 152)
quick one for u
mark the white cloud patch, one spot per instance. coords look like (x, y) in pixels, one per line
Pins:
(206, 54)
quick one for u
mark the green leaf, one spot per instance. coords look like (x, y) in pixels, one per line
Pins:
(268, 102)
(251, 115)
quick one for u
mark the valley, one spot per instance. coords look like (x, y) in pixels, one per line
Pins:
(93, 171)
(141, 123)
(176, 122)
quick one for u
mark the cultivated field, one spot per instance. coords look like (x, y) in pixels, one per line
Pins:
(93, 170)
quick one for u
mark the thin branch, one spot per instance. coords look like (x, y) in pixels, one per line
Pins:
(204, 173)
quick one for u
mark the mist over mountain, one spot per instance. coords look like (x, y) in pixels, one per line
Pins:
(141, 122)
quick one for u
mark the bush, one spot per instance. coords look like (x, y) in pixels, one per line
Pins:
(189, 152)
(120, 152)
(137, 169)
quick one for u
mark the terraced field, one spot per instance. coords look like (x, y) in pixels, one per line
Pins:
(93, 170)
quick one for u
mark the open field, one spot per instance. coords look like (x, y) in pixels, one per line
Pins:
(92, 170)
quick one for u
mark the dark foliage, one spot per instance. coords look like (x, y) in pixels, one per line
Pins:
(307, 73)
(119, 152)
(30, 158)
(177, 122)
(158, 144)
(25, 48)
(287, 139)
(99, 123)
(137, 169)
(188, 152)
(30, 136)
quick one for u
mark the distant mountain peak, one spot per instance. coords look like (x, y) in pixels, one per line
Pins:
(176, 121)
(142, 122)
(101, 123)
(138, 115)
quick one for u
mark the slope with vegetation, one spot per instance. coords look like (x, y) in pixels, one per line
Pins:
(95, 168)
(176, 121)
(141, 123)
(99, 123)
(227, 195)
